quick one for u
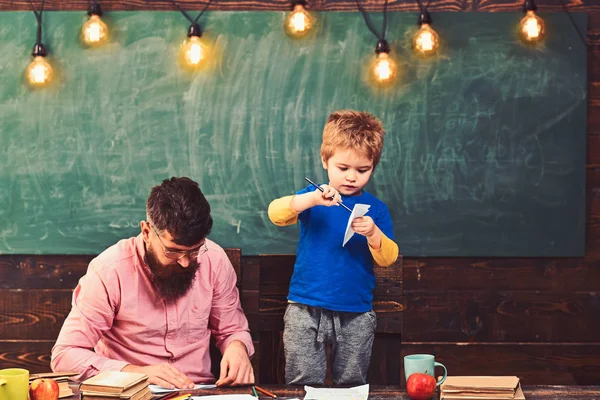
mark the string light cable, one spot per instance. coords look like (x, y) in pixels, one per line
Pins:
(193, 51)
(39, 73)
(383, 70)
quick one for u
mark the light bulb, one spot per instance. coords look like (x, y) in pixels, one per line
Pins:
(531, 28)
(39, 73)
(193, 52)
(94, 31)
(384, 69)
(299, 23)
(426, 41)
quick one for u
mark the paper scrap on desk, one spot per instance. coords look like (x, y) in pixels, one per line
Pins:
(358, 211)
(353, 393)
(225, 397)
(155, 389)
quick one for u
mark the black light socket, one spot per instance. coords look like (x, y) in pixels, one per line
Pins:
(95, 9)
(424, 18)
(39, 50)
(382, 47)
(529, 5)
(298, 2)
(194, 30)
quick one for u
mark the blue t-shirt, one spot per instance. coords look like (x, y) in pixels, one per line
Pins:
(326, 274)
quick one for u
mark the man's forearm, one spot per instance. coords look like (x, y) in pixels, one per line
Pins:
(241, 337)
(85, 362)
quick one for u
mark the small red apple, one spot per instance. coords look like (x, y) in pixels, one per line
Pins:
(420, 386)
(44, 389)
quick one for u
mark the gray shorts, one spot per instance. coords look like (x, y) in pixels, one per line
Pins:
(307, 332)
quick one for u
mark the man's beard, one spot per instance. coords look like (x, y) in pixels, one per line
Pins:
(172, 281)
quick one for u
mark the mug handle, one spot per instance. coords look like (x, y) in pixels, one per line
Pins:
(2, 381)
(437, 364)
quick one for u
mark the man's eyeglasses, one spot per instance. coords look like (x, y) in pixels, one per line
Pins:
(178, 255)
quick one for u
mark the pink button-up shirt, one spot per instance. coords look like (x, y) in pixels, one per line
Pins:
(118, 318)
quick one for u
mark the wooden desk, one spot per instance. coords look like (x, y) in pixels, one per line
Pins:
(394, 392)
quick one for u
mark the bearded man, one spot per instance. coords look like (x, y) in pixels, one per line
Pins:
(150, 303)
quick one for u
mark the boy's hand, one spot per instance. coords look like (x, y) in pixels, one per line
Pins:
(328, 197)
(364, 226)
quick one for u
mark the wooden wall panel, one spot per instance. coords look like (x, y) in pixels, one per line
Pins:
(502, 316)
(62, 271)
(33, 355)
(41, 272)
(534, 363)
(33, 314)
(509, 274)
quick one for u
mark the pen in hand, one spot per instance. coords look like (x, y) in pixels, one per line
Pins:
(321, 189)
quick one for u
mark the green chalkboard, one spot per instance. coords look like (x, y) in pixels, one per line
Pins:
(485, 153)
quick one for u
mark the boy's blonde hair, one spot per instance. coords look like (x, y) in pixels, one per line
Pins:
(354, 130)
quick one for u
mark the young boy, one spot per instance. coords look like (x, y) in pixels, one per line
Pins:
(331, 291)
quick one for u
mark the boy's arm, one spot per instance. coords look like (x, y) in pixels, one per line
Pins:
(281, 213)
(284, 211)
(383, 248)
(304, 201)
(387, 254)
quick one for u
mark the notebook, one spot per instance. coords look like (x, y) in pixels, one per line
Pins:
(481, 388)
(130, 394)
(64, 390)
(114, 382)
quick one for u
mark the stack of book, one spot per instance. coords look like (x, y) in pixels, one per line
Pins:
(481, 388)
(115, 385)
(65, 390)
(62, 378)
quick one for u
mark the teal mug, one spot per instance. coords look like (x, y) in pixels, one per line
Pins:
(423, 363)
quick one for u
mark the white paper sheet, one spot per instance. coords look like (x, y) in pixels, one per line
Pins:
(353, 393)
(155, 389)
(358, 211)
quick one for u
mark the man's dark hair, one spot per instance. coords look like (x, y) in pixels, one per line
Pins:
(178, 206)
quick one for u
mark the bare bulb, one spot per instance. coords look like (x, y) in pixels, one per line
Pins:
(299, 22)
(94, 31)
(426, 41)
(384, 69)
(39, 73)
(531, 28)
(193, 52)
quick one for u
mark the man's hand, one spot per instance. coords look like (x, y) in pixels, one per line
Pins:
(235, 366)
(164, 375)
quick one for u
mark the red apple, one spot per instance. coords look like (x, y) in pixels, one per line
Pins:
(44, 389)
(420, 386)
